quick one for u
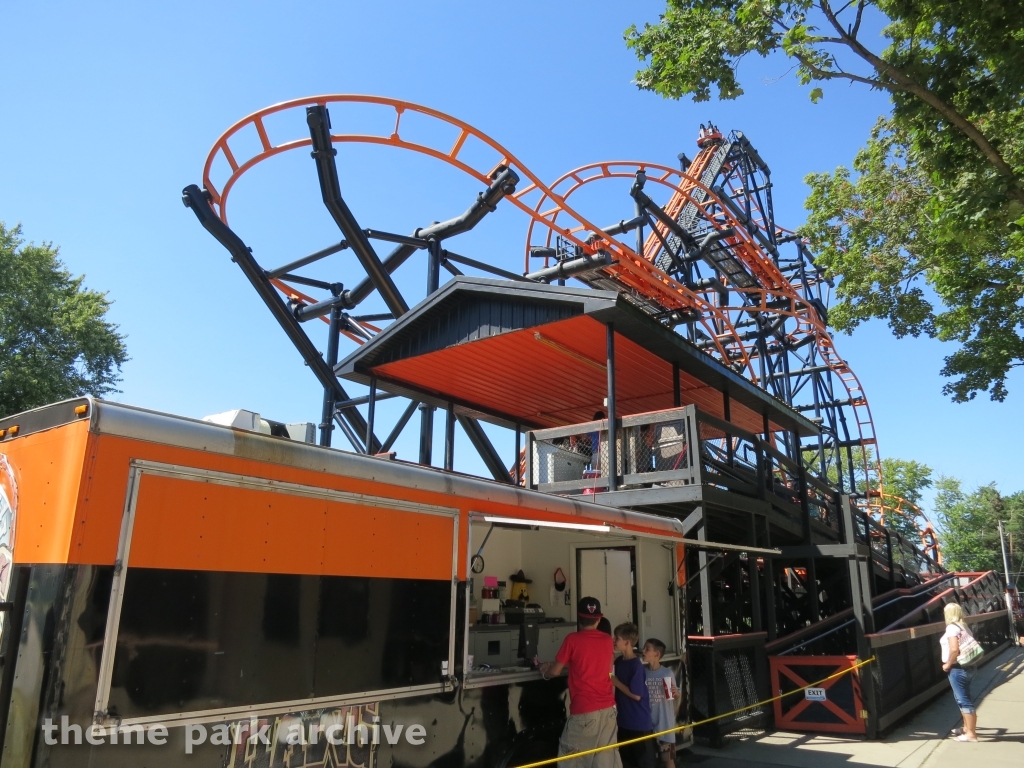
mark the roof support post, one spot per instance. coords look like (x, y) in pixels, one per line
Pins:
(519, 449)
(705, 579)
(613, 464)
(449, 437)
(426, 433)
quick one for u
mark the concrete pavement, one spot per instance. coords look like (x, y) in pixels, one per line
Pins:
(922, 742)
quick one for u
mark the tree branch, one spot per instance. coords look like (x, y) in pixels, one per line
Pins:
(860, 15)
(903, 82)
(825, 74)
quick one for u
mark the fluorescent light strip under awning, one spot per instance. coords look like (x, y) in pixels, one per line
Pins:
(548, 524)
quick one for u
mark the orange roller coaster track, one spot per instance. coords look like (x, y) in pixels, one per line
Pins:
(773, 285)
(635, 272)
(652, 274)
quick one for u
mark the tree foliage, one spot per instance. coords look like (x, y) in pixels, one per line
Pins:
(969, 520)
(926, 232)
(906, 480)
(55, 342)
(902, 479)
(901, 226)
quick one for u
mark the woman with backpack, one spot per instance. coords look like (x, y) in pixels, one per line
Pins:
(959, 652)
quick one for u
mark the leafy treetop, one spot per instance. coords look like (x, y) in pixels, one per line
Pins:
(55, 342)
(927, 232)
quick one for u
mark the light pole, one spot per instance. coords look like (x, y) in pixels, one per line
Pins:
(1006, 571)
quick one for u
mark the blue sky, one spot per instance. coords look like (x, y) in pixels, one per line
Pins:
(109, 109)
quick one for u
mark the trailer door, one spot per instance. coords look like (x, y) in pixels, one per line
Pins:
(244, 595)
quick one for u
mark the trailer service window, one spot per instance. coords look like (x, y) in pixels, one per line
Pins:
(632, 575)
(238, 594)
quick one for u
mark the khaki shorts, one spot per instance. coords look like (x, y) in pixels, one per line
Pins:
(583, 732)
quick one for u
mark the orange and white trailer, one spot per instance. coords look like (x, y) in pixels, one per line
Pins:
(230, 598)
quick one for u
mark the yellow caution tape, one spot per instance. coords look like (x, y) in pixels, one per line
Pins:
(574, 755)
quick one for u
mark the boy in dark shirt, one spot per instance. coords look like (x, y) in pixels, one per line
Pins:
(634, 708)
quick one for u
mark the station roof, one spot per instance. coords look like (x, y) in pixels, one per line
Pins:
(534, 354)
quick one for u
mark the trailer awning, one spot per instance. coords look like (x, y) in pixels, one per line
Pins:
(535, 355)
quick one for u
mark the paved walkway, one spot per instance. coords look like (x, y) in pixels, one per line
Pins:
(922, 742)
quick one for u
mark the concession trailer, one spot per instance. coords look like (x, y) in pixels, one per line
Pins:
(225, 597)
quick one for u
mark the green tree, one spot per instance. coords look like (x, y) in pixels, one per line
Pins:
(906, 480)
(938, 201)
(902, 225)
(55, 342)
(901, 479)
(969, 520)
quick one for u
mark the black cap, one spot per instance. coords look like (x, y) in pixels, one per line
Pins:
(589, 608)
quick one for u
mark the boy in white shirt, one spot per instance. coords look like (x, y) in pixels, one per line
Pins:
(660, 681)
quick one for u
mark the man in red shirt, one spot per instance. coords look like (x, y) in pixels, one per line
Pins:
(588, 655)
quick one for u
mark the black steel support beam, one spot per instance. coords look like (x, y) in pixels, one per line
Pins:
(197, 200)
(392, 262)
(754, 577)
(458, 259)
(830, 404)
(391, 237)
(504, 184)
(322, 253)
(624, 226)
(484, 204)
(330, 396)
(323, 154)
(399, 426)
(863, 614)
(802, 371)
(366, 399)
(569, 267)
(371, 410)
(485, 448)
(770, 587)
(353, 437)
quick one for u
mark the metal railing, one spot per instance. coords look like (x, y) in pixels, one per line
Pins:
(728, 673)
(908, 671)
(892, 551)
(982, 593)
(677, 447)
(652, 449)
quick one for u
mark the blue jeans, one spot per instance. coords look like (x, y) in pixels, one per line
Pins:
(960, 681)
